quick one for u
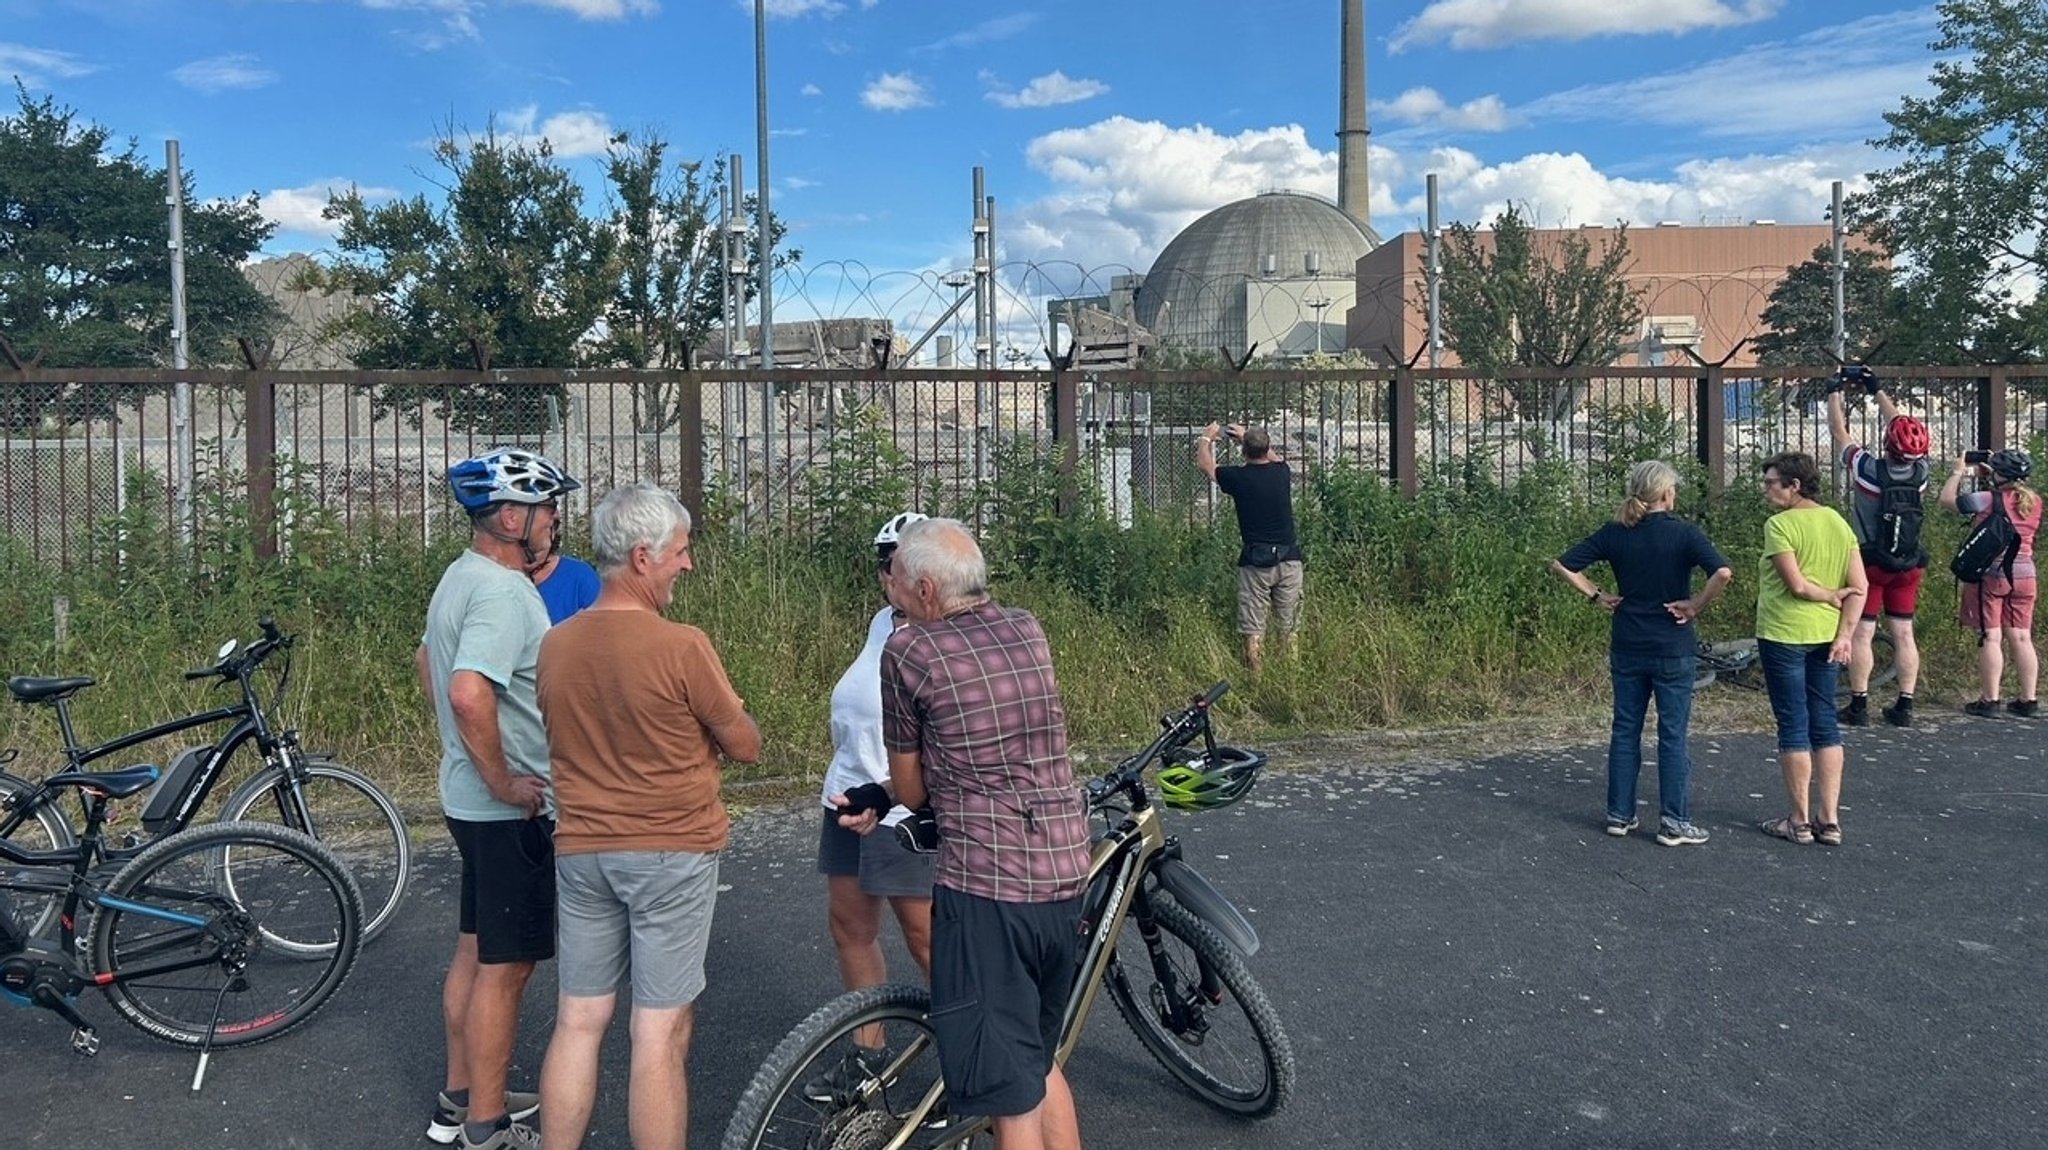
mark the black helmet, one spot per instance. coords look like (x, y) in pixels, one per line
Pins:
(2010, 465)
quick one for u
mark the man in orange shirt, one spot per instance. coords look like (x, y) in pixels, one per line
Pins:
(639, 712)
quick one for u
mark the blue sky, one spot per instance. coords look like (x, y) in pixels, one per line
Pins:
(1105, 125)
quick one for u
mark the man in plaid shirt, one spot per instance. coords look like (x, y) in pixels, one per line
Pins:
(973, 721)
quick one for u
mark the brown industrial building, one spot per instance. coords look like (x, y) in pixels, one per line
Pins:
(1703, 288)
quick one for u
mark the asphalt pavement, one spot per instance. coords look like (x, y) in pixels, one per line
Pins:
(1461, 956)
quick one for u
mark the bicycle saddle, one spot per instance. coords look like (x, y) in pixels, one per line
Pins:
(29, 689)
(118, 784)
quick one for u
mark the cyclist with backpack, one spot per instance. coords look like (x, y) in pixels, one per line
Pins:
(1886, 512)
(1996, 569)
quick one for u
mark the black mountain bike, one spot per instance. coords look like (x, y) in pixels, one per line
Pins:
(306, 792)
(1170, 948)
(182, 934)
(1736, 661)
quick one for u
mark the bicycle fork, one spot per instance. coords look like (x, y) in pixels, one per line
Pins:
(1181, 1008)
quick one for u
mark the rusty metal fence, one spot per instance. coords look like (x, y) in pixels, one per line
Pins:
(80, 450)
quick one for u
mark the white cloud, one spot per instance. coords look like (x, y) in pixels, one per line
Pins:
(457, 22)
(1123, 188)
(1426, 108)
(221, 73)
(579, 133)
(797, 183)
(987, 32)
(297, 210)
(1831, 81)
(1053, 88)
(33, 66)
(792, 9)
(601, 9)
(1495, 23)
(895, 92)
(811, 90)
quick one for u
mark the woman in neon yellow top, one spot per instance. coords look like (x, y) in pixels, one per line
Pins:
(1809, 597)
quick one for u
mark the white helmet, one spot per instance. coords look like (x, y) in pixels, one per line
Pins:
(892, 531)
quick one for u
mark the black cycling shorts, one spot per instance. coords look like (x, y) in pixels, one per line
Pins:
(1000, 976)
(508, 887)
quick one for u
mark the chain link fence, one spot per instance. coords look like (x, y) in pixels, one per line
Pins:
(86, 458)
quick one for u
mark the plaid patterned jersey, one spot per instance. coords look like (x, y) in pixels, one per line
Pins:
(974, 694)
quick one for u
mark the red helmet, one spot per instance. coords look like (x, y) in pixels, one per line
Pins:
(1906, 438)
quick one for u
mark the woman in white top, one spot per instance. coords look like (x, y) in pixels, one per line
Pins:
(863, 871)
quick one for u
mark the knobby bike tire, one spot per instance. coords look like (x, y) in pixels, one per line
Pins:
(774, 1114)
(1132, 985)
(44, 829)
(352, 817)
(267, 993)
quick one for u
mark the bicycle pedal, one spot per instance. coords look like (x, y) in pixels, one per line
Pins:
(85, 1042)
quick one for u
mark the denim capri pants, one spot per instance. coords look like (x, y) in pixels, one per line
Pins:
(1801, 682)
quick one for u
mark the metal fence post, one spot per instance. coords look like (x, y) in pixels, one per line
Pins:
(1991, 408)
(690, 398)
(1066, 432)
(259, 399)
(1710, 431)
(1402, 465)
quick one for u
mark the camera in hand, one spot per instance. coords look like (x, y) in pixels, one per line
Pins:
(1976, 456)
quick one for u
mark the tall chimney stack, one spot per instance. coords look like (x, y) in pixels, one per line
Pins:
(1354, 178)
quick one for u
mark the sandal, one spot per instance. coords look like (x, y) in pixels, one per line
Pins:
(1828, 834)
(1790, 831)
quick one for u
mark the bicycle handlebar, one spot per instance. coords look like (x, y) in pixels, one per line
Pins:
(236, 665)
(1178, 730)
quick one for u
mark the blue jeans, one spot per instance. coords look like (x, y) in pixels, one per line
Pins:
(1801, 682)
(1636, 679)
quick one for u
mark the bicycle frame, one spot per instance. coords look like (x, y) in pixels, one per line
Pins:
(247, 715)
(75, 864)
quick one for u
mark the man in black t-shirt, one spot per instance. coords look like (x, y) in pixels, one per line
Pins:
(1269, 562)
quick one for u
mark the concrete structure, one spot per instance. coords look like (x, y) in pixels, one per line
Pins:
(1703, 288)
(1269, 270)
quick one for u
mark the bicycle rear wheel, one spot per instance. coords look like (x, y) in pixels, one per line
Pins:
(181, 949)
(1229, 1049)
(346, 813)
(869, 1105)
(44, 829)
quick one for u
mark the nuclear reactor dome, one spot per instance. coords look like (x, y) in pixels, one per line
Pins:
(1194, 296)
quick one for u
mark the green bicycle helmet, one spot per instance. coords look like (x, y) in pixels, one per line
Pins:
(1205, 782)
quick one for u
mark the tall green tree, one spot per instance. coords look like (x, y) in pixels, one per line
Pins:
(1530, 299)
(1800, 316)
(1966, 206)
(85, 262)
(668, 280)
(507, 271)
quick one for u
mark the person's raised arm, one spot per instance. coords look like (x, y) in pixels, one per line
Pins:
(1953, 485)
(1838, 421)
(1205, 450)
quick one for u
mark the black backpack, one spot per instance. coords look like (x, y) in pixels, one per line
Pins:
(1896, 546)
(1990, 546)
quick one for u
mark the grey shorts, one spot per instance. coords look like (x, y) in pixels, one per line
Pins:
(1262, 589)
(647, 910)
(886, 870)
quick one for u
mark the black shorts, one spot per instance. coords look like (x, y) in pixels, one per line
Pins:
(885, 867)
(1001, 972)
(508, 887)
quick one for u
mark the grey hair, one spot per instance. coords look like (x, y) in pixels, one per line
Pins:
(943, 551)
(630, 516)
(1647, 483)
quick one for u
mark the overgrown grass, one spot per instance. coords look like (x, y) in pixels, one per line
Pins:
(1421, 612)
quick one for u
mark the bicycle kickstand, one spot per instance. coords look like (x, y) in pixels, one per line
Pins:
(85, 1041)
(237, 983)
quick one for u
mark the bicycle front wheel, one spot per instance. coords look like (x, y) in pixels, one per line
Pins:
(813, 1093)
(348, 815)
(180, 954)
(43, 829)
(1224, 1042)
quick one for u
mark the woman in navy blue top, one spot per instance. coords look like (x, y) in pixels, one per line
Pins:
(1653, 649)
